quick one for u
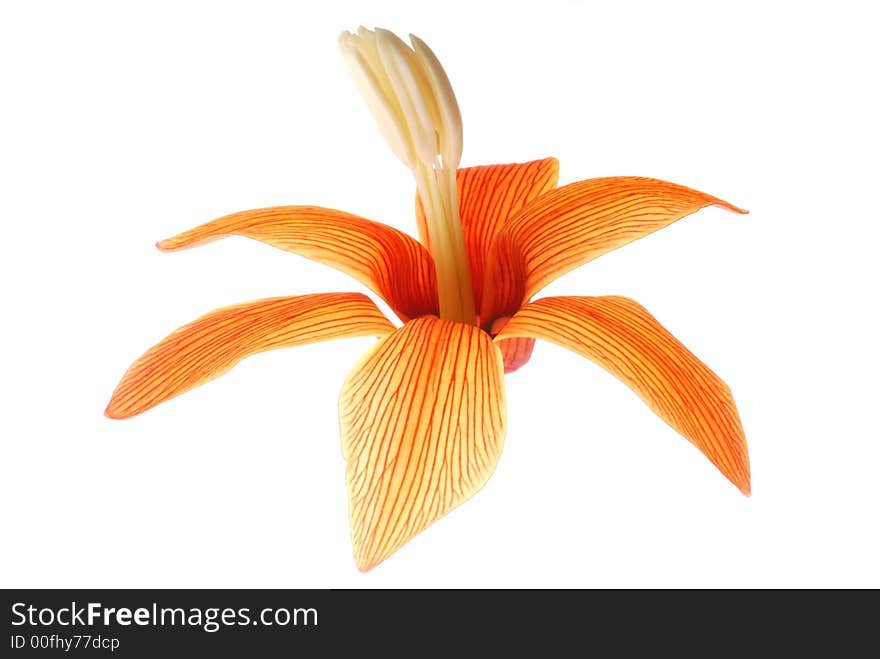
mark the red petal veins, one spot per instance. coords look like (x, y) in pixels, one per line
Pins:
(575, 224)
(390, 263)
(488, 196)
(423, 422)
(621, 336)
(211, 345)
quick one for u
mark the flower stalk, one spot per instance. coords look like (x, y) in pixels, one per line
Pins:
(437, 190)
(413, 103)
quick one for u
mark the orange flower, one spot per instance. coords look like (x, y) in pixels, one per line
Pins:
(423, 412)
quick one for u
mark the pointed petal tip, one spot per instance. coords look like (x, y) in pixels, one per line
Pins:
(188, 239)
(726, 205)
(739, 474)
(214, 343)
(621, 336)
(119, 409)
(112, 411)
(576, 223)
(365, 566)
(422, 419)
(389, 262)
(183, 241)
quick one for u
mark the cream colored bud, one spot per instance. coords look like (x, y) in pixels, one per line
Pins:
(413, 103)
(450, 115)
(409, 95)
(365, 68)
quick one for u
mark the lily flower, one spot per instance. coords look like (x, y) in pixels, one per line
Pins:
(422, 413)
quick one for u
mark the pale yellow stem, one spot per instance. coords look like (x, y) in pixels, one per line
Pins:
(439, 197)
(415, 107)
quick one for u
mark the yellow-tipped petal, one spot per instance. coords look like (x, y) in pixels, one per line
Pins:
(211, 345)
(423, 421)
(621, 336)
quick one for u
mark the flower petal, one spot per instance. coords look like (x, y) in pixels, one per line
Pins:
(390, 263)
(575, 224)
(622, 337)
(211, 345)
(515, 352)
(423, 421)
(488, 196)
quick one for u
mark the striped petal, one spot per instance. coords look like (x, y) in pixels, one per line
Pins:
(389, 262)
(622, 337)
(515, 352)
(488, 196)
(575, 224)
(423, 421)
(213, 344)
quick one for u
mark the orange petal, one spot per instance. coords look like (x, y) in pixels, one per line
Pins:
(575, 224)
(515, 352)
(392, 264)
(213, 344)
(622, 337)
(423, 421)
(488, 196)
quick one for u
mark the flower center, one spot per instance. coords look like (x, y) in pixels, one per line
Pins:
(413, 103)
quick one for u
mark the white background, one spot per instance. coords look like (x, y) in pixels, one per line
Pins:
(124, 123)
